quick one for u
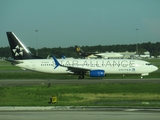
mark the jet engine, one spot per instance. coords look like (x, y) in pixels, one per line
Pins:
(97, 73)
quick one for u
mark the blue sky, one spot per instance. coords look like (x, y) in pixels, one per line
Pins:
(65, 23)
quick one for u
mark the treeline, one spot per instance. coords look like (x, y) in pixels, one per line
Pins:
(153, 48)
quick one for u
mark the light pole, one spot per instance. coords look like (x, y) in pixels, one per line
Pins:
(36, 43)
(137, 42)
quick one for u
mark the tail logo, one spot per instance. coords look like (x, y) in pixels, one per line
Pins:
(18, 51)
(78, 49)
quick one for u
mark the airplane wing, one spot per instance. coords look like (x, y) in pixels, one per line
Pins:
(70, 68)
(77, 69)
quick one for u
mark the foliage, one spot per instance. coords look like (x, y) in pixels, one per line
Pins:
(153, 48)
(81, 95)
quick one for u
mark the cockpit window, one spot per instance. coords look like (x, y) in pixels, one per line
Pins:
(148, 63)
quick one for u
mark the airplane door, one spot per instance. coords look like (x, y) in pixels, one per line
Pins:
(33, 66)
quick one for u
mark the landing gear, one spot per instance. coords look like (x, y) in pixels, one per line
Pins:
(141, 77)
(81, 76)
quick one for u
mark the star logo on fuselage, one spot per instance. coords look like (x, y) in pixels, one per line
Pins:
(18, 51)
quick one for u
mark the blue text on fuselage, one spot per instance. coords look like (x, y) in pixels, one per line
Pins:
(114, 63)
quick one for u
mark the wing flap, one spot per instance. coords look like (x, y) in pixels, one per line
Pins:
(77, 69)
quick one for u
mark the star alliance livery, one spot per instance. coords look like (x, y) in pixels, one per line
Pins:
(24, 59)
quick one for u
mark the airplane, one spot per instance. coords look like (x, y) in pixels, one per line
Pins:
(95, 54)
(24, 59)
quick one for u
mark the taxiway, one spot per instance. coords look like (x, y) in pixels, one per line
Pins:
(14, 82)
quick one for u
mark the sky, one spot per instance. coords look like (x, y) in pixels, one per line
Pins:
(65, 23)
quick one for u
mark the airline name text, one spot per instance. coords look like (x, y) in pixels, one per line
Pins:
(122, 63)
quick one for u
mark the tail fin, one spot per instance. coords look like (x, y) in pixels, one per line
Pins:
(78, 50)
(18, 49)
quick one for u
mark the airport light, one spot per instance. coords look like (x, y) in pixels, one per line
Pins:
(137, 42)
(36, 43)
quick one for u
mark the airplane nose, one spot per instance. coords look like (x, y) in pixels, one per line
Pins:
(155, 68)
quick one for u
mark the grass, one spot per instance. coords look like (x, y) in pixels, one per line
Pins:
(36, 75)
(82, 95)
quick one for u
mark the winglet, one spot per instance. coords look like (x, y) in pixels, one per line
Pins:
(63, 57)
(56, 62)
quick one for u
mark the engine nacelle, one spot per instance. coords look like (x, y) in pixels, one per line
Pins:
(97, 73)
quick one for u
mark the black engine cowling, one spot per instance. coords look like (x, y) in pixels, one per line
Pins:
(97, 73)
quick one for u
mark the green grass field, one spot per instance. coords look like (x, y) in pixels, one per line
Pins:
(77, 95)
(82, 95)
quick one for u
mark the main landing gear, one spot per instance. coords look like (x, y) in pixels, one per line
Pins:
(81, 76)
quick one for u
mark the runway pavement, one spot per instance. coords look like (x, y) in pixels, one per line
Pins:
(13, 82)
(79, 115)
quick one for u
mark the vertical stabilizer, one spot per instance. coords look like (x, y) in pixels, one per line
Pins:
(18, 49)
(78, 50)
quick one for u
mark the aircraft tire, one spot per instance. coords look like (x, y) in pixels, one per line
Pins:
(81, 77)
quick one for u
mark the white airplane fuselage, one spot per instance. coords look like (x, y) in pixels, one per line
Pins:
(110, 55)
(110, 66)
(105, 55)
